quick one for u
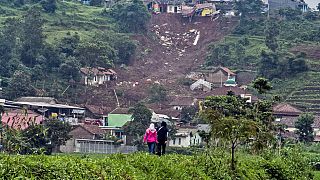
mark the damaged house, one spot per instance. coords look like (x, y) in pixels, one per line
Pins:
(97, 76)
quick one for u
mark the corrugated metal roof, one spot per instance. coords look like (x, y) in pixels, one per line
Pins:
(118, 120)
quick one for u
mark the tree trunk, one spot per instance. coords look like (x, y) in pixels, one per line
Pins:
(232, 157)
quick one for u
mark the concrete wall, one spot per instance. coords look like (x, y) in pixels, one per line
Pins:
(186, 141)
(92, 146)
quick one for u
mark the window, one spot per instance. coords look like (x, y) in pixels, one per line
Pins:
(95, 78)
(179, 141)
(174, 141)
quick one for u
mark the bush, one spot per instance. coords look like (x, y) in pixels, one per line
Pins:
(210, 165)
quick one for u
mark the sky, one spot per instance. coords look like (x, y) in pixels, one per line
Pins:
(312, 3)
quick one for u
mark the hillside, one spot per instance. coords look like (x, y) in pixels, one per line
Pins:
(167, 54)
(169, 49)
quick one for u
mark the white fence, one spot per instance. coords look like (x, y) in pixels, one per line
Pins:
(96, 146)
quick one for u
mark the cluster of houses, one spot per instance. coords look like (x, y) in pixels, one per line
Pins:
(94, 125)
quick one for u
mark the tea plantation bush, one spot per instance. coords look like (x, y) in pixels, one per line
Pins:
(143, 166)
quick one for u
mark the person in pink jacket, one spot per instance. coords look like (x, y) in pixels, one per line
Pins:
(150, 138)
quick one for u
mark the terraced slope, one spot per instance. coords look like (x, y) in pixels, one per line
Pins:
(308, 96)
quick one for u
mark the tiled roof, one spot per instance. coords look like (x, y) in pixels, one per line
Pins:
(93, 129)
(169, 112)
(289, 121)
(227, 70)
(221, 91)
(18, 119)
(286, 109)
(183, 101)
(98, 109)
(49, 100)
(98, 71)
(119, 110)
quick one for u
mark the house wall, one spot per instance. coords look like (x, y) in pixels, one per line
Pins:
(186, 141)
(217, 77)
(69, 147)
(171, 8)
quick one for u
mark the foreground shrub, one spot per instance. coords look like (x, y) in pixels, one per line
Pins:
(208, 165)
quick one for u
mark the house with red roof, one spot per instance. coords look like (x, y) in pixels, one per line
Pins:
(20, 119)
(97, 76)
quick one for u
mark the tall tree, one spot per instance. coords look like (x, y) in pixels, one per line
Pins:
(234, 131)
(49, 6)
(57, 133)
(304, 127)
(272, 31)
(249, 8)
(132, 16)
(262, 85)
(95, 54)
(19, 85)
(141, 118)
(32, 37)
(269, 65)
(188, 114)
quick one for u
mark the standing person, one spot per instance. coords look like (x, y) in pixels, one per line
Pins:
(162, 139)
(151, 138)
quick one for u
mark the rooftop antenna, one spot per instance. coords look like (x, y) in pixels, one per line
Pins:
(118, 104)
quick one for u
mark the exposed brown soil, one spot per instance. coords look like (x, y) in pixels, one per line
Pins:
(164, 55)
(311, 51)
(168, 52)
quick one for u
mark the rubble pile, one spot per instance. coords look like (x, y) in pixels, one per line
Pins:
(176, 43)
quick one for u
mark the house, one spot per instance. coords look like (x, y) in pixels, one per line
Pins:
(289, 122)
(222, 91)
(49, 108)
(182, 101)
(81, 136)
(205, 9)
(115, 120)
(86, 131)
(86, 2)
(97, 76)
(287, 115)
(284, 109)
(186, 137)
(218, 76)
(20, 119)
(274, 5)
(201, 85)
(174, 6)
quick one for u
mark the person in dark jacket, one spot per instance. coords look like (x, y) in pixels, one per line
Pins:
(162, 138)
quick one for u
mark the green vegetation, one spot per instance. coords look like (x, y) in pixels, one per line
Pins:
(212, 165)
(47, 42)
(304, 127)
(35, 139)
(266, 44)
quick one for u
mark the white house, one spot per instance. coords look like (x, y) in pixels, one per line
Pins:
(97, 76)
(186, 137)
(174, 8)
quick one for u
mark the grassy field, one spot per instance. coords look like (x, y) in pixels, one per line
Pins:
(70, 17)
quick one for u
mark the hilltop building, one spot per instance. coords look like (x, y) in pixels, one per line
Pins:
(97, 76)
